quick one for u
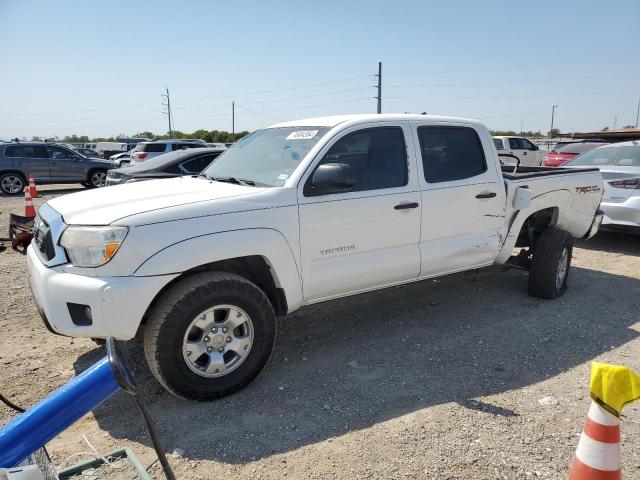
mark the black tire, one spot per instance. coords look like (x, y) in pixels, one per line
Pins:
(545, 277)
(97, 178)
(12, 183)
(172, 315)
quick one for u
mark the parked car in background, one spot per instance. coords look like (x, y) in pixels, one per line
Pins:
(174, 164)
(47, 163)
(619, 164)
(88, 152)
(146, 150)
(528, 153)
(555, 158)
(561, 144)
(107, 149)
(121, 159)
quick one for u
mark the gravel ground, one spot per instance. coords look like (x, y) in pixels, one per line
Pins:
(440, 379)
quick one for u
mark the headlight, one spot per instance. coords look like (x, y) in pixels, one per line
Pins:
(92, 246)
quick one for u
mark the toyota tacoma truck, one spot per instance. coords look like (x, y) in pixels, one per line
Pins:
(199, 267)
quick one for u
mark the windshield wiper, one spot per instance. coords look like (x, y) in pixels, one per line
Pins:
(237, 181)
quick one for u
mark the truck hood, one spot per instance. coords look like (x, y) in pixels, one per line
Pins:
(103, 206)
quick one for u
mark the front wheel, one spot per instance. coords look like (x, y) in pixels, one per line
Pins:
(97, 179)
(551, 263)
(209, 335)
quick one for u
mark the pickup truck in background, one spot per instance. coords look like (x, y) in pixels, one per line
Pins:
(527, 152)
(294, 214)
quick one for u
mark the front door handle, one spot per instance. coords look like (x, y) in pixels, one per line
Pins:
(486, 195)
(405, 206)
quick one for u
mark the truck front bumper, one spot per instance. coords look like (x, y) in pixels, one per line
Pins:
(96, 307)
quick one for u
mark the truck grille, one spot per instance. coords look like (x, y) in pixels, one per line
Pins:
(42, 238)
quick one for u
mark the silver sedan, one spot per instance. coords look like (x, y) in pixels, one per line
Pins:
(619, 164)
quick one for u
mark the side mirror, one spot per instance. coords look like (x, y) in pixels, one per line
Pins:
(522, 198)
(331, 178)
(534, 148)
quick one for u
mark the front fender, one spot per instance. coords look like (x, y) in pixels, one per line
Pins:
(201, 250)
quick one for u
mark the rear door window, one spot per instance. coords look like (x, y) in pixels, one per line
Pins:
(450, 153)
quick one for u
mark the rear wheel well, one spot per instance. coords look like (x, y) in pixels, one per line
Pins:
(535, 224)
(254, 268)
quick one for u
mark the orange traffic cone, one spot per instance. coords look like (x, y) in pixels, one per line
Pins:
(29, 210)
(598, 453)
(32, 187)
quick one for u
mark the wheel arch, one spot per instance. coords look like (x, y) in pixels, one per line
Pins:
(262, 256)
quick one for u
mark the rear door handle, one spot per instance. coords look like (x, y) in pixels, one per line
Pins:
(486, 195)
(405, 206)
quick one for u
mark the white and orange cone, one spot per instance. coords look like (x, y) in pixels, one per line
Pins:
(29, 210)
(598, 453)
(32, 187)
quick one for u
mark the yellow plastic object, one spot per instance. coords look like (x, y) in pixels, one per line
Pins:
(613, 386)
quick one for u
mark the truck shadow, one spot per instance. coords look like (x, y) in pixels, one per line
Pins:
(349, 364)
(613, 242)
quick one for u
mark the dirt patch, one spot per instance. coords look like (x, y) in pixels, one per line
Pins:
(436, 380)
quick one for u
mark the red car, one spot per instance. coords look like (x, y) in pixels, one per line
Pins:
(558, 157)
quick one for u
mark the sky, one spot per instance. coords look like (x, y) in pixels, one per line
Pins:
(98, 68)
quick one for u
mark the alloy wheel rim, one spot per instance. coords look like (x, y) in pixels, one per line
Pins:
(99, 179)
(12, 184)
(561, 272)
(218, 341)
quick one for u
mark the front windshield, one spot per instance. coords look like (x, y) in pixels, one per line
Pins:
(266, 157)
(603, 156)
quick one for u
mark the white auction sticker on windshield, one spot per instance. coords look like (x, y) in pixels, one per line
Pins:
(302, 135)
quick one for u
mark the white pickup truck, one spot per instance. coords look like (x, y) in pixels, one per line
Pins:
(526, 151)
(295, 214)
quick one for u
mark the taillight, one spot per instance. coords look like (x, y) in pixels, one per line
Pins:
(140, 154)
(630, 183)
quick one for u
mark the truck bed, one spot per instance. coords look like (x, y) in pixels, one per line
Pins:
(534, 172)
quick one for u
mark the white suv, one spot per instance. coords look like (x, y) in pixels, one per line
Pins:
(146, 150)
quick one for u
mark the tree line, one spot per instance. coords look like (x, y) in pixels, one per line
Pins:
(209, 136)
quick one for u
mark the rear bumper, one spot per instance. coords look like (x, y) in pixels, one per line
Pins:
(117, 303)
(626, 214)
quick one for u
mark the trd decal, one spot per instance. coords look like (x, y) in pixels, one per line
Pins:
(590, 188)
(331, 251)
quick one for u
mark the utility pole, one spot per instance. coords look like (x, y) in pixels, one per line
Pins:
(233, 117)
(521, 127)
(168, 106)
(638, 113)
(379, 97)
(553, 112)
(615, 122)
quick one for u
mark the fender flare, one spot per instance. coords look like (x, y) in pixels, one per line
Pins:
(267, 243)
(540, 202)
